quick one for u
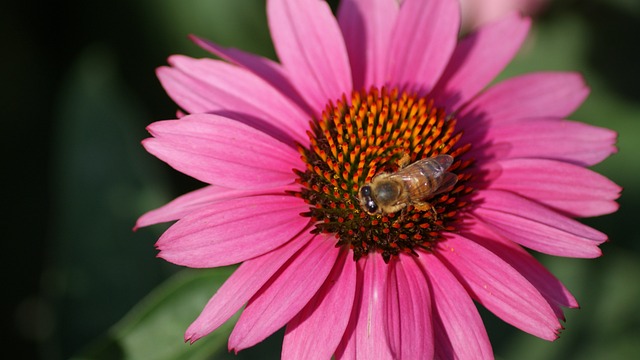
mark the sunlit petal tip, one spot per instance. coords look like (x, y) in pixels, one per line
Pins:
(161, 71)
(577, 90)
(190, 338)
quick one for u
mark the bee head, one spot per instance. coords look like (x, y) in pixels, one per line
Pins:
(366, 200)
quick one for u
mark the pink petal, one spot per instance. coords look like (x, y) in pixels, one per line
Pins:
(223, 152)
(366, 26)
(346, 349)
(409, 327)
(498, 287)
(479, 58)
(365, 337)
(241, 286)
(268, 70)
(317, 330)
(309, 44)
(214, 86)
(285, 294)
(199, 199)
(370, 330)
(462, 334)
(568, 188)
(422, 42)
(549, 138)
(543, 94)
(536, 227)
(230, 231)
(549, 286)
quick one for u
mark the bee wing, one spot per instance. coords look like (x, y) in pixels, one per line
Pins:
(447, 181)
(444, 160)
(427, 177)
(433, 167)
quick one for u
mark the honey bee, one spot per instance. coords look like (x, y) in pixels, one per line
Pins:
(410, 185)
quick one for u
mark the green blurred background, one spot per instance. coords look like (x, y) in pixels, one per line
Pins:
(79, 89)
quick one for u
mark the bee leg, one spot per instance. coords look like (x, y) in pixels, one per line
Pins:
(404, 160)
(424, 206)
(403, 214)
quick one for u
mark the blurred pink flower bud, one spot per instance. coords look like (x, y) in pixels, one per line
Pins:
(478, 12)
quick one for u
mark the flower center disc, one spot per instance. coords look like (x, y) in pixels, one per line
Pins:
(373, 133)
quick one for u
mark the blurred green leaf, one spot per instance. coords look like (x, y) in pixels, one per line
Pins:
(238, 24)
(97, 266)
(154, 328)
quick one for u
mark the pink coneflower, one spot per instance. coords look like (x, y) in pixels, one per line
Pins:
(286, 149)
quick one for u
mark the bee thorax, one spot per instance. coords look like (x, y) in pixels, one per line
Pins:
(387, 192)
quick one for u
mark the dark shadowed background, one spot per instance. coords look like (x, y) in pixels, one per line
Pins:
(78, 90)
